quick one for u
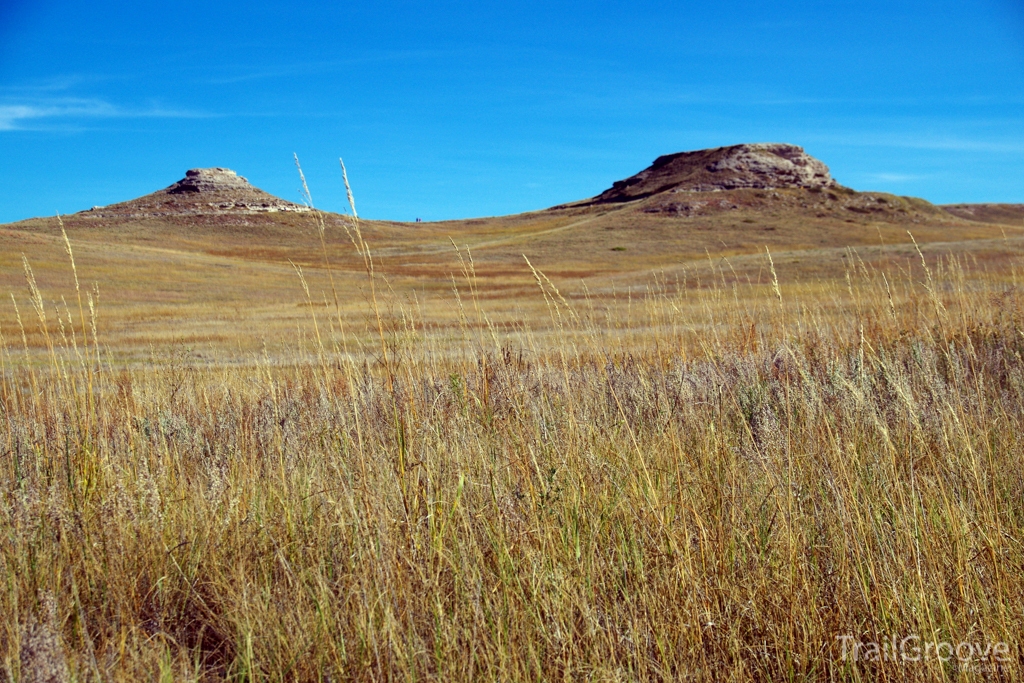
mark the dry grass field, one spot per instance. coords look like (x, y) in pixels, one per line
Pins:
(225, 288)
(649, 441)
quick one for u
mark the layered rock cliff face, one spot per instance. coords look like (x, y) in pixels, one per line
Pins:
(203, 191)
(200, 180)
(760, 166)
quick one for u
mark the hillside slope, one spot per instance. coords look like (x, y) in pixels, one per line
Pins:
(190, 261)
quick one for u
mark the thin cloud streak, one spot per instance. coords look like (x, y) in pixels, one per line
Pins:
(54, 84)
(13, 116)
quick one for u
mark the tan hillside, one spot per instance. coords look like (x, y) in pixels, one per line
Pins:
(185, 262)
(243, 441)
(1006, 214)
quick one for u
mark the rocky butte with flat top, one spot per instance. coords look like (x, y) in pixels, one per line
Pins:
(203, 191)
(758, 166)
(769, 179)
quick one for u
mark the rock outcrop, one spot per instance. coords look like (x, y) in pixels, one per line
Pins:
(210, 180)
(762, 166)
(203, 191)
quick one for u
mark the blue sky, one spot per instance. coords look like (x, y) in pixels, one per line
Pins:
(458, 109)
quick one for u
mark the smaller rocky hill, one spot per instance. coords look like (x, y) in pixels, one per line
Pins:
(203, 191)
(765, 166)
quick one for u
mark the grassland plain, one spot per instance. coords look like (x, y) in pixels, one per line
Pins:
(224, 285)
(756, 466)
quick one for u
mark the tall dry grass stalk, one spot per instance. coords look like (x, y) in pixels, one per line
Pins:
(724, 488)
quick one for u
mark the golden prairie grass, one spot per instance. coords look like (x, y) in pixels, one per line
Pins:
(725, 479)
(201, 280)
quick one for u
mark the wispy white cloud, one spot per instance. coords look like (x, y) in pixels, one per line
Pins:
(52, 84)
(11, 114)
(36, 113)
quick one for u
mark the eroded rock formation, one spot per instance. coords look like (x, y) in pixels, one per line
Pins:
(203, 191)
(762, 165)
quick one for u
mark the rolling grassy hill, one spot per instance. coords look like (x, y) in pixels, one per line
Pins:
(189, 267)
(725, 422)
